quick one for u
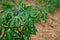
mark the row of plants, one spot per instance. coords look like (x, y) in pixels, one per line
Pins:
(17, 19)
(47, 6)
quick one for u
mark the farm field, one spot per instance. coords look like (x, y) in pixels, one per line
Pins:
(49, 30)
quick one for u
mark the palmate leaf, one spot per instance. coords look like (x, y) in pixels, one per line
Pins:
(16, 23)
(58, 3)
(43, 12)
(4, 20)
(28, 29)
(21, 3)
(8, 35)
(6, 6)
(52, 6)
(17, 36)
(32, 26)
(52, 9)
(13, 22)
(21, 21)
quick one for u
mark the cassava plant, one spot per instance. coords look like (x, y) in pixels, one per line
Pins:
(16, 20)
(46, 6)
